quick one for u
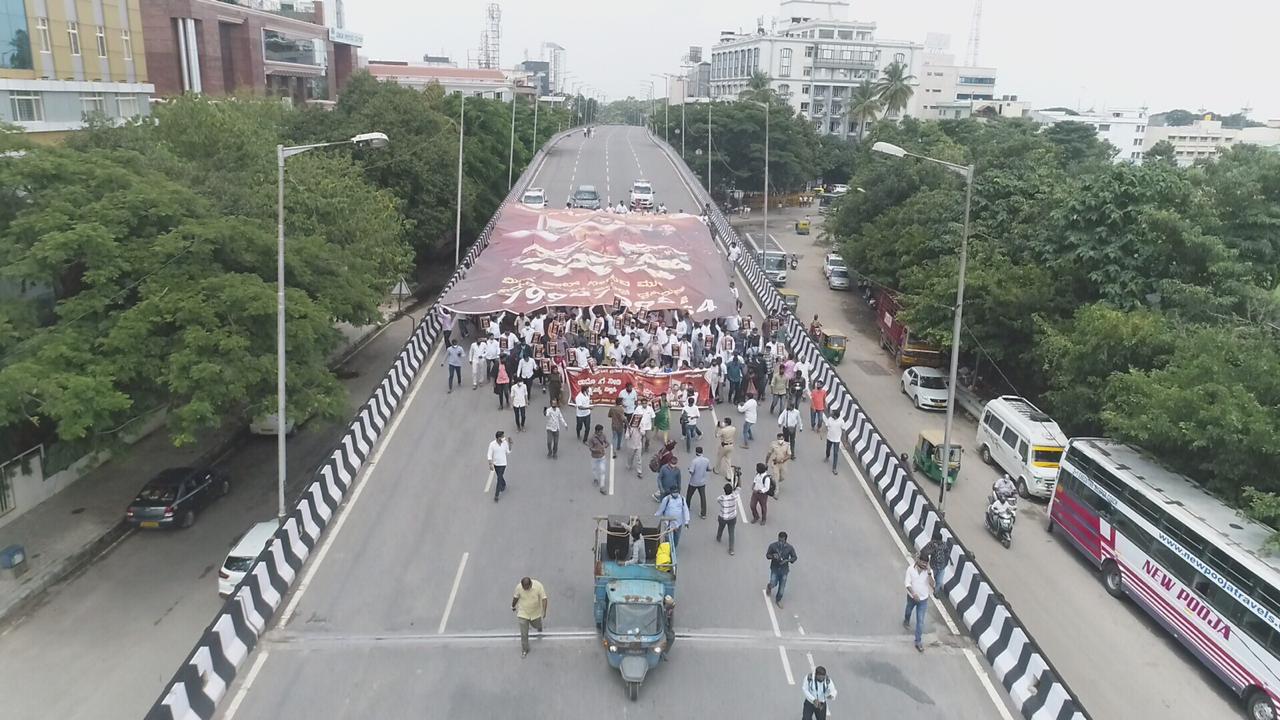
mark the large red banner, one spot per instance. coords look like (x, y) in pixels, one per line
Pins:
(584, 258)
(604, 384)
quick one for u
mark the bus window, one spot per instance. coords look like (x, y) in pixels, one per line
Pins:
(1022, 450)
(1010, 438)
(993, 422)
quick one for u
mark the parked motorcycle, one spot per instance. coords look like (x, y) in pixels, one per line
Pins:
(1000, 524)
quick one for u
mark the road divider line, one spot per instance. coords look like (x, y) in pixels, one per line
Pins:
(786, 665)
(611, 464)
(361, 482)
(773, 617)
(986, 683)
(258, 662)
(453, 593)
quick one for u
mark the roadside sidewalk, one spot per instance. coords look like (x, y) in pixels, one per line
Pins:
(69, 530)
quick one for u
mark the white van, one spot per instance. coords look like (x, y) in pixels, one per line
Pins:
(241, 557)
(1023, 441)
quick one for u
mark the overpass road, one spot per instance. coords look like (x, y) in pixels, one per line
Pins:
(404, 610)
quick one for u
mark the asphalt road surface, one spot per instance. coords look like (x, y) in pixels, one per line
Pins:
(107, 640)
(405, 609)
(1121, 663)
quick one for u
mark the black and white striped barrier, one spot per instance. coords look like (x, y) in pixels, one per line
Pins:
(204, 677)
(1033, 684)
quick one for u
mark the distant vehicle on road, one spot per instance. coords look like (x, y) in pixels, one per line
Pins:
(242, 555)
(270, 425)
(534, 197)
(174, 496)
(926, 386)
(833, 260)
(839, 189)
(896, 337)
(642, 195)
(586, 197)
(838, 279)
(1197, 566)
(1017, 437)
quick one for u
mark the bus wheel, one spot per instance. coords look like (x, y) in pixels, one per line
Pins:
(1260, 706)
(1112, 579)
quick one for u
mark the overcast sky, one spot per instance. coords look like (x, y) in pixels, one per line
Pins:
(1084, 53)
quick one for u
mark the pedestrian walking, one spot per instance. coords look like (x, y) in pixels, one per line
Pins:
(647, 416)
(499, 451)
(555, 385)
(662, 419)
(780, 556)
(669, 609)
(819, 691)
(748, 410)
(618, 424)
(728, 515)
(446, 326)
(676, 509)
(478, 366)
(689, 422)
(760, 488)
(633, 441)
(778, 390)
(938, 552)
(555, 422)
(529, 603)
(582, 411)
(792, 424)
(778, 456)
(454, 357)
(520, 404)
(727, 439)
(817, 404)
(599, 447)
(630, 399)
(919, 582)
(698, 468)
(668, 476)
(835, 434)
(525, 371)
(502, 386)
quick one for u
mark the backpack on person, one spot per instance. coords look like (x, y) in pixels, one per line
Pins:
(655, 462)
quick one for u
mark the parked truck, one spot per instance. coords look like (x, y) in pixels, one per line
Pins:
(896, 337)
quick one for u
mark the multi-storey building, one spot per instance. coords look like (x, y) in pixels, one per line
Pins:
(814, 58)
(538, 73)
(554, 55)
(1200, 140)
(62, 62)
(1124, 129)
(476, 82)
(260, 47)
(947, 90)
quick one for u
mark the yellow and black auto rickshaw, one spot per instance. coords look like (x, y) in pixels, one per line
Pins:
(802, 226)
(927, 457)
(833, 343)
(790, 298)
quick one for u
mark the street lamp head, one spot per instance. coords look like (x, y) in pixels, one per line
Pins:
(889, 149)
(370, 140)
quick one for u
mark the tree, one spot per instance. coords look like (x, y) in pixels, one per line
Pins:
(759, 88)
(1163, 151)
(1179, 117)
(895, 87)
(1079, 143)
(865, 105)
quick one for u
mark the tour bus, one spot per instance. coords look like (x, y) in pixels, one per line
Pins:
(1017, 437)
(1186, 558)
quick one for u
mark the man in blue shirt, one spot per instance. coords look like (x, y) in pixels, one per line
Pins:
(668, 478)
(455, 356)
(698, 469)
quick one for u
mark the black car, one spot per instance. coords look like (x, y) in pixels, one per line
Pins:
(174, 496)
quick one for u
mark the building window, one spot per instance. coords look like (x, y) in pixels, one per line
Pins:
(27, 108)
(844, 34)
(807, 71)
(804, 90)
(15, 39)
(42, 26)
(1104, 128)
(90, 104)
(102, 41)
(784, 63)
(1135, 155)
(294, 49)
(899, 57)
(804, 107)
(808, 51)
(127, 105)
(1137, 141)
(826, 34)
(73, 35)
(127, 42)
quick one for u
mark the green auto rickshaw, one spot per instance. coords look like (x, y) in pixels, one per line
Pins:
(927, 457)
(832, 343)
(790, 298)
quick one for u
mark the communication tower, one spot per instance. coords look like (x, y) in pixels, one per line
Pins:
(490, 39)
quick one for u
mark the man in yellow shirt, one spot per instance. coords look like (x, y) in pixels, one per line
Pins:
(529, 603)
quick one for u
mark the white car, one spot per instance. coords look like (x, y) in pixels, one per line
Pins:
(642, 195)
(838, 189)
(832, 261)
(241, 557)
(534, 197)
(926, 386)
(270, 425)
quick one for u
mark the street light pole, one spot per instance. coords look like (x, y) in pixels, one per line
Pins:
(766, 107)
(374, 139)
(709, 104)
(511, 151)
(967, 172)
(457, 227)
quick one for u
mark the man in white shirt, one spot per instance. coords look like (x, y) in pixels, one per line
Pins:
(836, 429)
(629, 398)
(647, 414)
(555, 422)
(499, 450)
(477, 362)
(818, 692)
(580, 357)
(791, 423)
(919, 582)
(749, 411)
(491, 354)
(691, 413)
(538, 325)
(525, 371)
(582, 425)
(520, 403)
(760, 487)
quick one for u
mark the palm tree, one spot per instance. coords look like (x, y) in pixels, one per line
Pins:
(865, 105)
(895, 87)
(759, 87)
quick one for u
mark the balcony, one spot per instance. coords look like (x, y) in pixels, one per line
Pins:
(855, 64)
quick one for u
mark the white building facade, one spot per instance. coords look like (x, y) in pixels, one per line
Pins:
(476, 82)
(1126, 130)
(555, 56)
(814, 59)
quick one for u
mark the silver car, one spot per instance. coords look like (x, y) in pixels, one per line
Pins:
(586, 197)
(838, 279)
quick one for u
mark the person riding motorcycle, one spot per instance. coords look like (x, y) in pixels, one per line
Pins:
(1004, 487)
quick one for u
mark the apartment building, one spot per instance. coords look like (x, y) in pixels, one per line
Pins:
(63, 62)
(948, 90)
(475, 82)
(814, 57)
(1126, 130)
